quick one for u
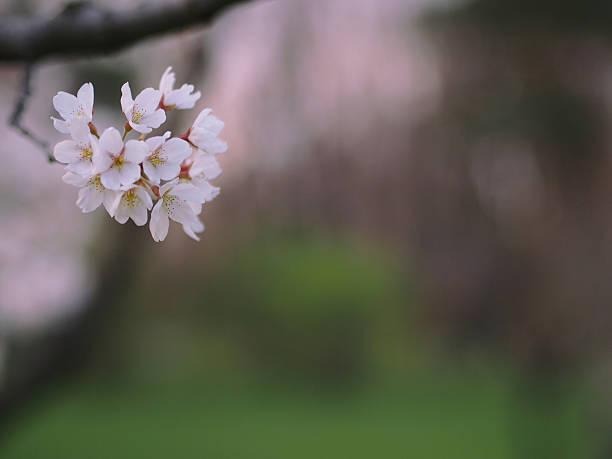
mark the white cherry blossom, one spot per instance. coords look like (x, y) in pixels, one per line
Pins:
(134, 202)
(164, 157)
(205, 166)
(71, 107)
(142, 113)
(126, 177)
(118, 164)
(77, 152)
(203, 134)
(179, 202)
(209, 191)
(92, 193)
(181, 98)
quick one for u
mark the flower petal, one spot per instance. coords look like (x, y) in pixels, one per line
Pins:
(79, 131)
(182, 98)
(111, 179)
(89, 199)
(166, 83)
(135, 151)
(189, 232)
(65, 104)
(129, 173)
(167, 186)
(147, 100)
(85, 96)
(101, 160)
(201, 116)
(192, 230)
(209, 191)
(111, 201)
(61, 125)
(81, 167)
(207, 141)
(142, 128)
(206, 165)
(188, 192)
(199, 226)
(153, 143)
(110, 141)
(151, 172)
(159, 222)
(122, 213)
(139, 215)
(176, 150)
(168, 171)
(67, 151)
(209, 122)
(154, 119)
(197, 208)
(145, 197)
(126, 99)
(181, 212)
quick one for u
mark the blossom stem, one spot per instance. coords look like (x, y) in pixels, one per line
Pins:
(127, 128)
(146, 184)
(164, 107)
(185, 136)
(185, 167)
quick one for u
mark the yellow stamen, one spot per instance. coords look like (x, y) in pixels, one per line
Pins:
(95, 181)
(154, 159)
(136, 116)
(87, 154)
(130, 199)
(119, 162)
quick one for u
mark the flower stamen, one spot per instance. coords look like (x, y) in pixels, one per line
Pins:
(130, 199)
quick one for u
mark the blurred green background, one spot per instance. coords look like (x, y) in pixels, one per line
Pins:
(290, 346)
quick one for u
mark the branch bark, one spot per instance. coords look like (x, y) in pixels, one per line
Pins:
(83, 28)
(20, 106)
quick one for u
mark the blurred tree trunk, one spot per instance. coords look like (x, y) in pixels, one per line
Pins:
(32, 365)
(515, 232)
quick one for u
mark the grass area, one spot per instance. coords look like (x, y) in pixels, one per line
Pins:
(342, 322)
(426, 418)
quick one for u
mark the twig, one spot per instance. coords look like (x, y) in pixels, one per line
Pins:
(20, 105)
(83, 28)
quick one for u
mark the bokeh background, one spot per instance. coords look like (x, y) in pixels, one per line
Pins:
(410, 256)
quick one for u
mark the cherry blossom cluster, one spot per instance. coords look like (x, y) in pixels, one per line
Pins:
(127, 176)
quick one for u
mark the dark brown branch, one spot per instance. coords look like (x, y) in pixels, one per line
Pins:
(86, 29)
(20, 105)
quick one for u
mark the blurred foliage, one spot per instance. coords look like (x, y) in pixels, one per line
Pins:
(303, 308)
(287, 348)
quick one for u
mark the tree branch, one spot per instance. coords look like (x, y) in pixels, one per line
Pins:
(20, 105)
(83, 28)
